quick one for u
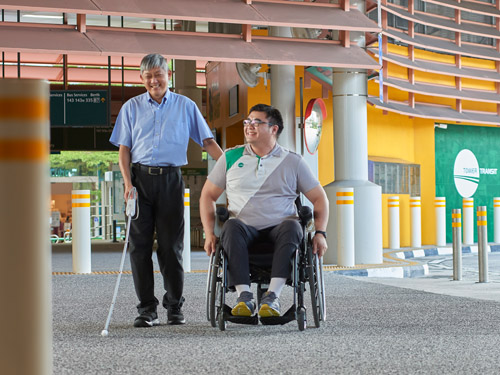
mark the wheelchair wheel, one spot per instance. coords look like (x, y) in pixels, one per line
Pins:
(209, 285)
(220, 319)
(314, 284)
(300, 314)
(301, 318)
(214, 286)
(322, 300)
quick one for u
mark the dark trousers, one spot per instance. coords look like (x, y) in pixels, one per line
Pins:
(161, 207)
(237, 239)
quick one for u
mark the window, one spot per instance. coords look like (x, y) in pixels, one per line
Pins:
(395, 178)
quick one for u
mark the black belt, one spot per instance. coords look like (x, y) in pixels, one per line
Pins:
(155, 171)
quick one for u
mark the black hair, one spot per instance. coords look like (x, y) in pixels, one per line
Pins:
(273, 116)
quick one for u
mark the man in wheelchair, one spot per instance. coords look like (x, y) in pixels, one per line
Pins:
(262, 181)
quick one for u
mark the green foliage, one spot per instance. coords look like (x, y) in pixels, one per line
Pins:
(87, 163)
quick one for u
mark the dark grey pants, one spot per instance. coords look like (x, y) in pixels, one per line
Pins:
(161, 207)
(237, 239)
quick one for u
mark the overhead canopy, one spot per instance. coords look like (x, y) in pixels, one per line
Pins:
(436, 112)
(186, 46)
(260, 13)
(134, 42)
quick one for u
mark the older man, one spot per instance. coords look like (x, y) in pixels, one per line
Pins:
(153, 131)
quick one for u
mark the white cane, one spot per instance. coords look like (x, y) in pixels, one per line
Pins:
(132, 200)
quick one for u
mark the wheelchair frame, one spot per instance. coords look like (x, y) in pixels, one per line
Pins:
(307, 269)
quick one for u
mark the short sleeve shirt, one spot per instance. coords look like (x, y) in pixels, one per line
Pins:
(158, 134)
(261, 191)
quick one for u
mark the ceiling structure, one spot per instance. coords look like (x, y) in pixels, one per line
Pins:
(102, 42)
(74, 30)
(464, 37)
(115, 34)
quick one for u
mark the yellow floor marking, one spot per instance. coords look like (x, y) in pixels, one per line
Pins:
(400, 262)
(111, 273)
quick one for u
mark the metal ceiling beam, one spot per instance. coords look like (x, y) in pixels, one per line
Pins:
(261, 13)
(37, 38)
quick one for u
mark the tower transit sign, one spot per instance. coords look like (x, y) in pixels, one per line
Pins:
(466, 173)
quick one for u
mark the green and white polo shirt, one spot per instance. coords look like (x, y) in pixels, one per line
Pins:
(261, 191)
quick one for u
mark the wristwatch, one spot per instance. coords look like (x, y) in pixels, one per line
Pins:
(323, 233)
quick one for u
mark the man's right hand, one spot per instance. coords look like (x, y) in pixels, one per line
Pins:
(210, 243)
(127, 191)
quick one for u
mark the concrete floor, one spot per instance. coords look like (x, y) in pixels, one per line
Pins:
(372, 328)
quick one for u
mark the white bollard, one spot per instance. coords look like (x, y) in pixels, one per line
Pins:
(416, 221)
(186, 254)
(496, 220)
(25, 253)
(345, 227)
(393, 204)
(468, 221)
(440, 205)
(81, 231)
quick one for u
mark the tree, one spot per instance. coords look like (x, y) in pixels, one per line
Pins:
(86, 163)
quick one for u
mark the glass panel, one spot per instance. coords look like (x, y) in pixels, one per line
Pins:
(396, 178)
(404, 179)
(489, 20)
(379, 175)
(391, 188)
(477, 39)
(415, 180)
(438, 9)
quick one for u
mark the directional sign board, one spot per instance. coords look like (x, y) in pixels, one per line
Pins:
(78, 108)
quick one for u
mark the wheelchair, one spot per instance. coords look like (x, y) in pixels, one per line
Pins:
(307, 271)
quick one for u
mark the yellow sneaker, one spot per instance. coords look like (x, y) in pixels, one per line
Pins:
(245, 305)
(269, 305)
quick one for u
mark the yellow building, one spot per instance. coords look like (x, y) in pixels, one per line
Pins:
(440, 68)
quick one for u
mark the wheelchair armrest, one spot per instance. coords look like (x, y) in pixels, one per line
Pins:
(305, 215)
(222, 214)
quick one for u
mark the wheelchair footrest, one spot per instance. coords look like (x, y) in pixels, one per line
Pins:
(283, 319)
(254, 320)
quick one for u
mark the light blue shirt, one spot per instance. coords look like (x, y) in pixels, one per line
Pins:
(158, 134)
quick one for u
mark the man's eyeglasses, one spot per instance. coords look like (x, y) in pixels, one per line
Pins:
(255, 122)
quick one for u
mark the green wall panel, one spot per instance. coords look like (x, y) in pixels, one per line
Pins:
(484, 143)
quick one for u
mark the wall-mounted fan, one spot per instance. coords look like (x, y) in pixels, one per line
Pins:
(249, 73)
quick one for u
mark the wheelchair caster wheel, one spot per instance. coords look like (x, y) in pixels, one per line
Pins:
(301, 318)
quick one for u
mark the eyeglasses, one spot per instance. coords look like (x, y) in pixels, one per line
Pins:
(255, 122)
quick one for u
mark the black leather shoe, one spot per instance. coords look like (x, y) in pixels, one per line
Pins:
(175, 316)
(147, 319)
